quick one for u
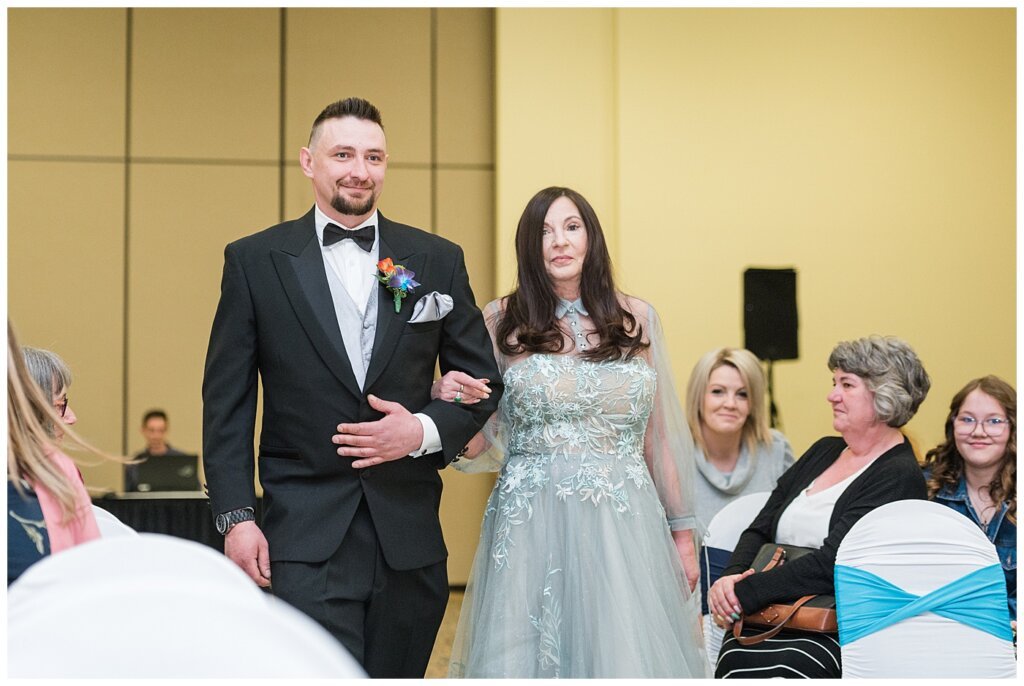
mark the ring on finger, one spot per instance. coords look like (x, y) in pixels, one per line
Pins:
(458, 397)
(461, 387)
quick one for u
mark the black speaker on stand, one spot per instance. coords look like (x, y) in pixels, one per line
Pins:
(770, 320)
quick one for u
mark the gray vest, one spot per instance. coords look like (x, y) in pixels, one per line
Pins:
(357, 330)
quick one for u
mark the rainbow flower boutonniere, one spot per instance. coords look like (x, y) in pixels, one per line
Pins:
(396, 279)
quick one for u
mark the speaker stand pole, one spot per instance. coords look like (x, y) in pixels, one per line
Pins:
(773, 412)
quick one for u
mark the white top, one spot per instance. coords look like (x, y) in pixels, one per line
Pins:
(806, 521)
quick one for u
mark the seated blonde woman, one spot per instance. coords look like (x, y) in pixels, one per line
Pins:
(736, 451)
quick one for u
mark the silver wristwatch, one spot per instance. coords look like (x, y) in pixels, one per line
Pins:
(227, 520)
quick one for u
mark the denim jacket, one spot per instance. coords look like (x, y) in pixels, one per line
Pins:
(1001, 531)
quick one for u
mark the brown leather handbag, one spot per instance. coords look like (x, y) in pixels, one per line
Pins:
(814, 613)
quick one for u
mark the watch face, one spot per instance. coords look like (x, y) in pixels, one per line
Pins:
(222, 524)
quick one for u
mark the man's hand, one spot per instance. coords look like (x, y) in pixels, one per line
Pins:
(391, 437)
(246, 546)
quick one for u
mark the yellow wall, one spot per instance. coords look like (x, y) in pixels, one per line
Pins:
(871, 149)
(142, 141)
(556, 115)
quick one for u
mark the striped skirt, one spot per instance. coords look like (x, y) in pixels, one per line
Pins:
(789, 655)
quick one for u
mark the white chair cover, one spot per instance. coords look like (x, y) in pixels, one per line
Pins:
(920, 546)
(151, 606)
(724, 532)
(110, 525)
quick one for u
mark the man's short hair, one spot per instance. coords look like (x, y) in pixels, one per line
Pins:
(159, 414)
(349, 107)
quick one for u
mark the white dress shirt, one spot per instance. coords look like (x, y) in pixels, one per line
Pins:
(357, 271)
(355, 267)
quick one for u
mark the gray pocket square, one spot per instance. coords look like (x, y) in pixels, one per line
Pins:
(431, 307)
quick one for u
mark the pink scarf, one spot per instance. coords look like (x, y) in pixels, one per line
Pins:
(82, 527)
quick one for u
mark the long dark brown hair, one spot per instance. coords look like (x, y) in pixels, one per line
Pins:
(529, 323)
(946, 463)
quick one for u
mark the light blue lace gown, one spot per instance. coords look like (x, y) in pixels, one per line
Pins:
(576, 574)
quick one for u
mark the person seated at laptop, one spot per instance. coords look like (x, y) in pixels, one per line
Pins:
(154, 430)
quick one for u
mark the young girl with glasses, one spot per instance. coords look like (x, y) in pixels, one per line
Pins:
(974, 471)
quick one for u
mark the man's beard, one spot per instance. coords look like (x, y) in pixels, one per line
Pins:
(339, 203)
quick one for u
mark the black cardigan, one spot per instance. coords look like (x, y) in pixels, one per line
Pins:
(893, 476)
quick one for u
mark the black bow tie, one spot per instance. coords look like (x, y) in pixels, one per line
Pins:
(363, 237)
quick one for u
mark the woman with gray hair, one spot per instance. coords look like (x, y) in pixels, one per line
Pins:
(53, 377)
(878, 384)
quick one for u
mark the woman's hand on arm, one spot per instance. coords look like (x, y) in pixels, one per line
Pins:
(459, 387)
(723, 604)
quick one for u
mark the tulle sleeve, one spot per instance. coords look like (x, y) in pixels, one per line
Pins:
(668, 445)
(495, 431)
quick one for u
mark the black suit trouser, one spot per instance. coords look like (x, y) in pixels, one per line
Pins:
(387, 619)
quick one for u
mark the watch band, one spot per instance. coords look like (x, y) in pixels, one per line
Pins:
(227, 520)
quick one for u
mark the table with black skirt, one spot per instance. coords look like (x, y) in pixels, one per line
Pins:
(185, 514)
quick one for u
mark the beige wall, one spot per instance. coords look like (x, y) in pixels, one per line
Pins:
(871, 149)
(147, 139)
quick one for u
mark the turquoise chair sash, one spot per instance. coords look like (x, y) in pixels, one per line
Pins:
(866, 603)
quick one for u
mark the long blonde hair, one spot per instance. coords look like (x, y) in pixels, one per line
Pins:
(29, 440)
(756, 429)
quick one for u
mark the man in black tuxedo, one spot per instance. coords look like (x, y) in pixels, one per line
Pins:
(344, 361)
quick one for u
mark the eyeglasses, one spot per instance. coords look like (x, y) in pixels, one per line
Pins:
(62, 406)
(965, 424)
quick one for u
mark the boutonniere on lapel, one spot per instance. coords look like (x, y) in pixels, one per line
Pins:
(396, 279)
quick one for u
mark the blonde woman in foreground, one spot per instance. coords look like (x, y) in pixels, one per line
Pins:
(48, 508)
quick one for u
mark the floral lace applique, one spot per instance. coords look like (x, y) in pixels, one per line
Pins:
(548, 622)
(575, 424)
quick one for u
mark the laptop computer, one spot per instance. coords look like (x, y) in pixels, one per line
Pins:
(169, 473)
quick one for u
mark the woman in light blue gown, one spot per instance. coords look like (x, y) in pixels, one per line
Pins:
(586, 565)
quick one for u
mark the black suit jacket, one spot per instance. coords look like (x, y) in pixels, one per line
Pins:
(276, 320)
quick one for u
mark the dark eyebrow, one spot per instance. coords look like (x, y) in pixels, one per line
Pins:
(338, 147)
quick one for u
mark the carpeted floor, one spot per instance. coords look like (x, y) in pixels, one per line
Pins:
(438, 667)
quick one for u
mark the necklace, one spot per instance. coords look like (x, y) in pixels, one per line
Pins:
(980, 507)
